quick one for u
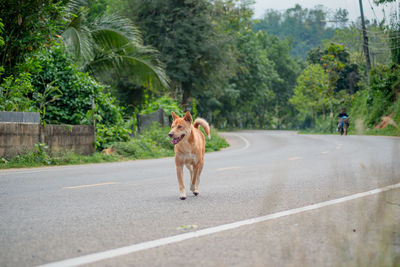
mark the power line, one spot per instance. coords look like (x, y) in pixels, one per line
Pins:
(385, 48)
(373, 10)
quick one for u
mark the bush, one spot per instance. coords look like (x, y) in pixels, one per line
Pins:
(14, 93)
(381, 99)
(166, 103)
(106, 135)
(156, 143)
(71, 103)
(53, 66)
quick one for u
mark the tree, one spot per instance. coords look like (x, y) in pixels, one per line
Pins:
(340, 18)
(288, 69)
(107, 45)
(190, 44)
(28, 25)
(251, 87)
(310, 96)
(332, 64)
(349, 75)
(305, 27)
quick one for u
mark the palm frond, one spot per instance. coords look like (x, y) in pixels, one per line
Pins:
(111, 45)
(77, 38)
(116, 24)
(144, 71)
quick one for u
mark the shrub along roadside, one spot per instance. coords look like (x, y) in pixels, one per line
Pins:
(153, 143)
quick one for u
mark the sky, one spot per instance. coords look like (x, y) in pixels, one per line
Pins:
(351, 5)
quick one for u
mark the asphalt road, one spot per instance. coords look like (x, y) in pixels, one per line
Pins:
(272, 199)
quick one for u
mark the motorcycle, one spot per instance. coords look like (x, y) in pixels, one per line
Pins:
(343, 125)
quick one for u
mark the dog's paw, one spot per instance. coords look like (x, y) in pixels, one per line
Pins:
(195, 192)
(182, 196)
(192, 187)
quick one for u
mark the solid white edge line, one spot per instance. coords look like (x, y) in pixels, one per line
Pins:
(208, 231)
(246, 142)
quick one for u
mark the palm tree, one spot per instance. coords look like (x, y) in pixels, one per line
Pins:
(109, 45)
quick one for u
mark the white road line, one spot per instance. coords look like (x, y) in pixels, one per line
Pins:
(208, 231)
(246, 142)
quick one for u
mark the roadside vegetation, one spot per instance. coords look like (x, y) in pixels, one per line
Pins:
(105, 62)
(151, 143)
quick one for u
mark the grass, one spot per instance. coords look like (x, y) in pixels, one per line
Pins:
(153, 143)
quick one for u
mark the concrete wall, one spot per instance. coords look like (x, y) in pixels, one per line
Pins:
(16, 138)
(147, 120)
(26, 117)
(79, 138)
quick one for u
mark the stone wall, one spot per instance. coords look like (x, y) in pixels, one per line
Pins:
(16, 138)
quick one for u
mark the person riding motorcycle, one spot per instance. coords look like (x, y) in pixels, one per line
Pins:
(342, 118)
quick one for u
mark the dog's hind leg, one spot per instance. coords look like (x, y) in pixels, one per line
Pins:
(179, 174)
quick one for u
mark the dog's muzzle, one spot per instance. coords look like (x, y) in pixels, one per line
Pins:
(176, 140)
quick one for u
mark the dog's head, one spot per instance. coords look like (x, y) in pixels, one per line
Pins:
(180, 127)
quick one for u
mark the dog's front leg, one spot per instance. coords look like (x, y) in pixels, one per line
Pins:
(179, 174)
(194, 187)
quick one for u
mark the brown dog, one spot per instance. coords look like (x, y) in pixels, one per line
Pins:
(189, 149)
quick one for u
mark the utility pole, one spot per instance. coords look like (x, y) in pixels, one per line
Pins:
(365, 45)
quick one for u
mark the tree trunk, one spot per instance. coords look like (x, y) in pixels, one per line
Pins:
(186, 100)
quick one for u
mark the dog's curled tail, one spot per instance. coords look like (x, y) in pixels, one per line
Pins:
(203, 123)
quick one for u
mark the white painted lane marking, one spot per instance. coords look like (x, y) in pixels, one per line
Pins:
(208, 231)
(294, 158)
(229, 168)
(246, 142)
(88, 185)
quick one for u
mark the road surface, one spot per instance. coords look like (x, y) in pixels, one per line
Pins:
(273, 198)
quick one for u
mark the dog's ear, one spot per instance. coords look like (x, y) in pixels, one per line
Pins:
(174, 116)
(188, 117)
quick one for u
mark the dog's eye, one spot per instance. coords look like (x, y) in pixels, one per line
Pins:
(180, 126)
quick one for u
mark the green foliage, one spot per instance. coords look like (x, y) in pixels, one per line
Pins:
(64, 95)
(28, 26)
(39, 156)
(70, 102)
(151, 143)
(156, 143)
(110, 46)
(43, 99)
(306, 27)
(352, 39)
(382, 97)
(166, 103)
(310, 96)
(249, 99)
(336, 60)
(192, 46)
(106, 135)
(14, 93)
(2, 43)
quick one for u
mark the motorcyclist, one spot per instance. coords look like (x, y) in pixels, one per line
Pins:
(342, 116)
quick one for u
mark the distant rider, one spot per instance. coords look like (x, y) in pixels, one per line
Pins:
(342, 117)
